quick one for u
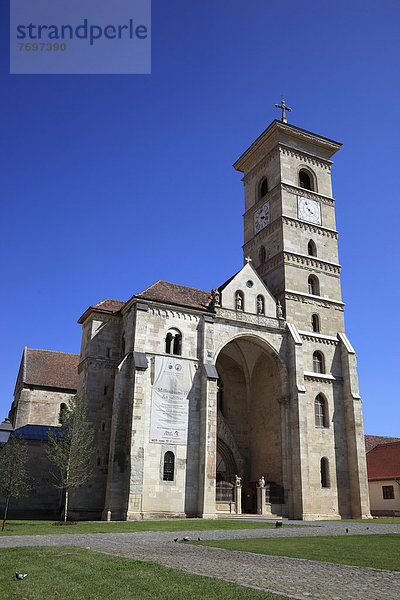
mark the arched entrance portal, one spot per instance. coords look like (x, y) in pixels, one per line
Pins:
(251, 419)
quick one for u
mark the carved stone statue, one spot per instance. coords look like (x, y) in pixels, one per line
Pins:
(279, 310)
(238, 481)
(239, 302)
(217, 297)
(260, 306)
(261, 482)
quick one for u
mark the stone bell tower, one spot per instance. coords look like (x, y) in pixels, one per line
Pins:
(289, 223)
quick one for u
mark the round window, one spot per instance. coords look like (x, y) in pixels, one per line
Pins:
(249, 283)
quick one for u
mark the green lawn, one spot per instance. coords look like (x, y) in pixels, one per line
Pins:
(384, 520)
(15, 527)
(90, 575)
(381, 551)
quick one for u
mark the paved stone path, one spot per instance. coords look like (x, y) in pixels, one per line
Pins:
(296, 578)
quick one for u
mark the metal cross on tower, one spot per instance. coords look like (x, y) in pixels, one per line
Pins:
(284, 109)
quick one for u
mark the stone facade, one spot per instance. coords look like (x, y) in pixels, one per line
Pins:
(273, 393)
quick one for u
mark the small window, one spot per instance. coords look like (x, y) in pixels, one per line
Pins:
(318, 362)
(313, 285)
(262, 255)
(169, 466)
(324, 473)
(321, 417)
(260, 305)
(173, 342)
(315, 323)
(305, 180)
(239, 300)
(388, 492)
(312, 248)
(103, 426)
(105, 391)
(108, 352)
(123, 346)
(264, 187)
(220, 395)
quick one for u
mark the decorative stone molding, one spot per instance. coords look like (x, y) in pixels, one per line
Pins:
(311, 261)
(322, 378)
(315, 337)
(314, 300)
(298, 191)
(309, 227)
(243, 317)
(170, 313)
(305, 157)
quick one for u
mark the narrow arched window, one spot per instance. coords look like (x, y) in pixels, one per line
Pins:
(320, 409)
(324, 472)
(169, 466)
(239, 300)
(262, 255)
(318, 362)
(123, 346)
(173, 342)
(264, 187)
(260, 305)
(305, 180)
(313, 285)
(61, 414)
(312, 248)
(315, 323)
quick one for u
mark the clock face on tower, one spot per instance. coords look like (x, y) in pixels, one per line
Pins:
(261, 218)
(308, 210)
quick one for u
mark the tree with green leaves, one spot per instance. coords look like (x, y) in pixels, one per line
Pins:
(70, 449)
(14, 477)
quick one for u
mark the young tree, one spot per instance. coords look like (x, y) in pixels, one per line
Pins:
(14, 478)
(70, 449)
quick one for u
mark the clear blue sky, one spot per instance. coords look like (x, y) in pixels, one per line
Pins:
(109, 183)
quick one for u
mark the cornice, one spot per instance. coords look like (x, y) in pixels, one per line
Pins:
(159, 311)
(314, 300)
(311, 261)
(239, 317)
(260, 166)
(322, 377)
(293, 222)
(306, 157)
(298, 191)
(317, 337)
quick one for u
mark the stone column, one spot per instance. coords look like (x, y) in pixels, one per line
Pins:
(261, 508)
(208, 443)
(237, 491)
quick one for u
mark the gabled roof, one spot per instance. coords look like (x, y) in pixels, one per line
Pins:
(50, 369)
(179, 295)
(383, 461)
(373, 440)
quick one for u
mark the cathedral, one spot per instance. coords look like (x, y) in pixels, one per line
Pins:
(240, 400)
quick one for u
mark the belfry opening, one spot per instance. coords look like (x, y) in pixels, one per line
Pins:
(251, 426)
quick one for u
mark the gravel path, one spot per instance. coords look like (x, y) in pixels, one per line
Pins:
(296, 578)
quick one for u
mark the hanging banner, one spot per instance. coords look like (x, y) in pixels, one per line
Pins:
(170, 403)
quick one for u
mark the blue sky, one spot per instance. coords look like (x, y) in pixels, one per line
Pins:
(111, 182)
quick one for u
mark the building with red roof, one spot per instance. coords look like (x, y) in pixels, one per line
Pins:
(383, 466)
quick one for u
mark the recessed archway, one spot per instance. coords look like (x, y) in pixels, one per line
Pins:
(254, 382)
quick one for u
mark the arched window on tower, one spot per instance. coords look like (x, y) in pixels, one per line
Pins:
(173, 342)
(312, 248)
(262, 255)
(321, 412)
(239, 300)
(315, 323)
(305, 181)
(169, 466)
(313, 285)
(318, 362)
(264, 187)
(324, 472)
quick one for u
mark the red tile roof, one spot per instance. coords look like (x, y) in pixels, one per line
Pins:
(373, 440)
(50, 369)
(180, 295)
(105, 306)
(383, 461)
